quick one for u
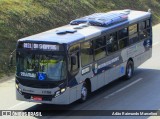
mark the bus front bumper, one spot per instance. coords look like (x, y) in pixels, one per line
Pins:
(62, 98)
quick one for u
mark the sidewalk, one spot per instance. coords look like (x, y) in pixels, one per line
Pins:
(6, 78)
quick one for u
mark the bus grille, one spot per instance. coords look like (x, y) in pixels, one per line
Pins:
(44, 97)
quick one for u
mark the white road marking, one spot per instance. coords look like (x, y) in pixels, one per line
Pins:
(123, 88)
(16, 105)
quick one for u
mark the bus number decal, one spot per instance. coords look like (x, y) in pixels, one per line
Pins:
(86, 70)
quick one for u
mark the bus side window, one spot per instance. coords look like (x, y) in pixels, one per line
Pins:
(112, 44)
(133, 34)
(148, 24)
(86, 53)
(123, 38)
(99, 48)
(148, 27)
(142, 30)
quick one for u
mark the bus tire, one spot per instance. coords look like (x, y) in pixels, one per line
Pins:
(129, 69)
(84, 92)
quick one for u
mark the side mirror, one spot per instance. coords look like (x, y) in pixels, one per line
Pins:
(11, 60)
(73, 60)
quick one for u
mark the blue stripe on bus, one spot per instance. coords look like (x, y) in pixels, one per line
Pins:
(105, 61)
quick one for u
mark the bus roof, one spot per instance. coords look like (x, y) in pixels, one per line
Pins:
(69, 34)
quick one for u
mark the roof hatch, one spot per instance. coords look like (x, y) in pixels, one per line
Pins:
(103, 19)
(64, 31)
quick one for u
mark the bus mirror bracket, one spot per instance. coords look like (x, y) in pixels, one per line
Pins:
(11, 59)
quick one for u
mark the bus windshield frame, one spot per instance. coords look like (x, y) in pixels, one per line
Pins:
(41, 65)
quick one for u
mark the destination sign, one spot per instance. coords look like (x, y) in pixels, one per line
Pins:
(47, 47)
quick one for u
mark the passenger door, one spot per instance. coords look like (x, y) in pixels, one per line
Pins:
(73, 67)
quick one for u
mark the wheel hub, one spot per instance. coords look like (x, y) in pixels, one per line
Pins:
(84, 92)
(129, 70)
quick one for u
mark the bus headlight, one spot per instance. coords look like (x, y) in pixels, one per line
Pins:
(62, 90)
(59, 92)
(19, 89)
(17, 86)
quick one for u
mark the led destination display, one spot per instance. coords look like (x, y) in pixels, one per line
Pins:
(48, 47)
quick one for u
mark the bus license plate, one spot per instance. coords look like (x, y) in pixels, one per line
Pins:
(37, 98)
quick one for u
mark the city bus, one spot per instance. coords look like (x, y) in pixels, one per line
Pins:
(68, 63)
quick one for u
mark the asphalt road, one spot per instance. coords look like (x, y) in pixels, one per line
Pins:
(139, 93)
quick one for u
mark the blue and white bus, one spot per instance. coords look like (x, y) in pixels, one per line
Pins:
(65, 64)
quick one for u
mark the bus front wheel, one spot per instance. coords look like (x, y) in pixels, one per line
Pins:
(129, 69)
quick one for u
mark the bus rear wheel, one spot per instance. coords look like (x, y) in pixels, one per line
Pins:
(84, 92)
(129, 69)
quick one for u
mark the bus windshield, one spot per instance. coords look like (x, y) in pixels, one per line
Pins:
(41, 66)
